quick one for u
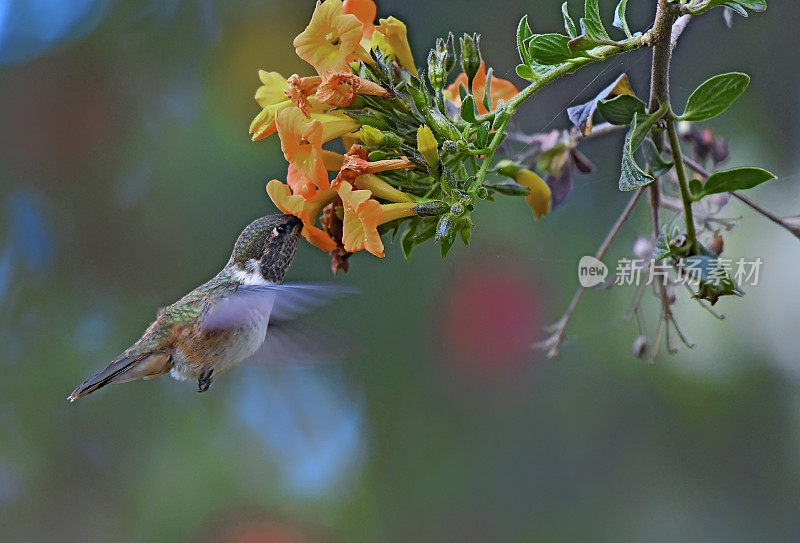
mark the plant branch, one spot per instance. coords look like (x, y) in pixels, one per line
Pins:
(500, 118)
(746, 201)
(683, 183)
(559, 328)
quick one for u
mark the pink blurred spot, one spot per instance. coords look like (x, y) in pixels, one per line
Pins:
(490, 316)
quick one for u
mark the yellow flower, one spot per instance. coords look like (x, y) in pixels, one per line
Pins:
(301, 143)
(539, 196)
(335, 124)
(428, 146)
(393, 33)
(306, 209)
(330, 39)
(270, 96)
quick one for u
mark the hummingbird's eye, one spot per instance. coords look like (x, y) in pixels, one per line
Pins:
(279, 230)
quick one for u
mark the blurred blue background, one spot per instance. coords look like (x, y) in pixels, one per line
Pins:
(126, 173)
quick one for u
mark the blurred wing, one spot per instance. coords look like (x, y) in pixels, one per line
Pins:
(278, 303)
(297, 342)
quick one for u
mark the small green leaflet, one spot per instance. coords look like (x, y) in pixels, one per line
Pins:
(631, 175)
(619, 18)
(524, 34)
(736, 179)
(715, 96)
(569, 24)
(620, 109)
(550, 49)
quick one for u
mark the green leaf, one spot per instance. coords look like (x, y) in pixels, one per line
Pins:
(525, 72)
(487, 96)
(592, 35)
(632, 176)
(468, 111)
(658, 164)
(582, 115)
(620, 109)
(666, 234)
(524, 33)
(550, 49)
(736, 179)
(736, 5)
(569, 24)
(592, 10)
(715, 96)
(619, 18)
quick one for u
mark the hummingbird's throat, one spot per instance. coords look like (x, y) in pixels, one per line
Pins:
(251, 274)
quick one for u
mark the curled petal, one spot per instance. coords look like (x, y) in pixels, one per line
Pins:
(393, 31)
(365, 10)
(539, 196)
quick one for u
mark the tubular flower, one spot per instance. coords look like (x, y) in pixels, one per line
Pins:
(301, 143)
(330, 39)
(356, 169)
(306, 209)
(362, 215)
(393, 33)
(366, 11)
(539, 196)
(501, 89)
(270, 96)
(335, 124)
(339, 89)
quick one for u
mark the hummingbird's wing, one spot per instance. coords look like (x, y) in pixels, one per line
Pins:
(289, 338)
(277, 303)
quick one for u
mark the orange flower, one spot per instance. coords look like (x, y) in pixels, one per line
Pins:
(306, 209)
(501, 89)
(339, 89)
(365, 10)
(330, 39)
(356, 169)
(301, 142)
(362, 215)
(298, 90)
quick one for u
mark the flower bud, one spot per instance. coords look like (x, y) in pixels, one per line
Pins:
(639, 346)
(470, 55)
(372, 136)
(432, 208)
(436, 72)
(670, 295)
(716, 245)
(447, 52)
(428, 147)
(642, 247)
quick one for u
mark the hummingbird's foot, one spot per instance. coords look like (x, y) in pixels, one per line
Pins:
(204, 381)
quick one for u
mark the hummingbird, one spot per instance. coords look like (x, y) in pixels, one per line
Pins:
(242, 311)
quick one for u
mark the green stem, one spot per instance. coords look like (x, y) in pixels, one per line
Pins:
(598, 54)
(683, 183)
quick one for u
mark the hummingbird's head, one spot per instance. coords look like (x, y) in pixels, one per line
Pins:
(265, 249)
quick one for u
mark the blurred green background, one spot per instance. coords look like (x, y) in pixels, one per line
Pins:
(126, 173)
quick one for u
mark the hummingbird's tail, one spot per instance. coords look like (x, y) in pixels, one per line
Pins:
(123, 369)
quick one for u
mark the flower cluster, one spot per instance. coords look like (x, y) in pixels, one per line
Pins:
(410, 151)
